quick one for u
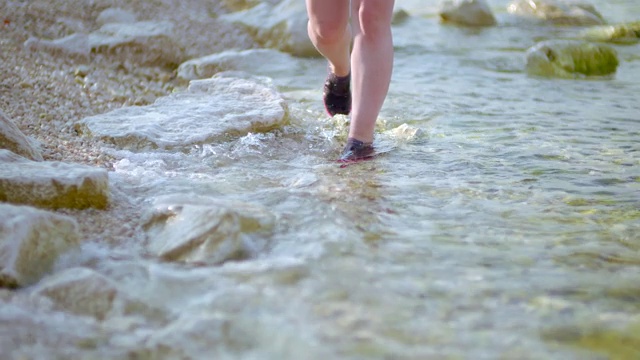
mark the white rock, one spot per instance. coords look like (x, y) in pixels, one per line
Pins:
(203, 230)
(557, 12)
(115, 15)
(266, 62)
(114, 34)
(11, 138)
(31, 240)
(51, 184)
(282, 27)
(208, 111)
(467, 12)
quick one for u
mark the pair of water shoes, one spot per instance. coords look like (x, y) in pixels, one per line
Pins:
(337, 100)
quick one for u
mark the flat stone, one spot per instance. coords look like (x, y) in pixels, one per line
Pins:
(12, 139)
(229, 104)
(204, 230)
(467, 13)
(31, 240)
(52, 185)
(571, 59)
(282, 26)
(264, 62)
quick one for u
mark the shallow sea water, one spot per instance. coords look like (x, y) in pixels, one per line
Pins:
(508, 229)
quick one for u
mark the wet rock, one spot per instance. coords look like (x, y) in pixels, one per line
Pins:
(467, 12)
(557, 12)
(399, 16)
(115, 15)
(255, 61)
(12, 139)
(80, 291)
(210, 110)
(85, 292)
(31, 240)
(204, 230)
(571, 59)
(51, 185)
(628, 33)
(282, 27)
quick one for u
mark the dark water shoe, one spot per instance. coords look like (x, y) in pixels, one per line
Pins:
(356, 150)
(337, 94)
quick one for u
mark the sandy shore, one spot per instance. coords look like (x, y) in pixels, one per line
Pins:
(45, 93)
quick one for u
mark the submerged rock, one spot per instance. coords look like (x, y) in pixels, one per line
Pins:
(557, 12)
(628, 33)
(12, 139)
(571, 59)
(254, 61)
(467, 12)
(204, 230)
(210, 110)
(52, 185)
(31, 240)
(282, 27)
(80, 291)
(85, 292)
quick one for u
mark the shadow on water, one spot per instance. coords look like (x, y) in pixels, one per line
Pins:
(356, 193)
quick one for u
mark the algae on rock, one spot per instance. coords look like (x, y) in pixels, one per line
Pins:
(571, 59)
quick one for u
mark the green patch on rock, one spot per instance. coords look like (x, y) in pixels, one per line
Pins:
(571, 59)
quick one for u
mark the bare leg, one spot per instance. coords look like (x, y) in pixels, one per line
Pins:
(329, 32)
(371, 63)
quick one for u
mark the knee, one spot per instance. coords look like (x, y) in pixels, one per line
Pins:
(327, 32)
(375, 18)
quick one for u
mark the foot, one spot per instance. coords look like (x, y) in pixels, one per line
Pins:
(337, 94)
(356, 150)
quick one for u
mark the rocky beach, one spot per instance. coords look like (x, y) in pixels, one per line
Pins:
(168, 189)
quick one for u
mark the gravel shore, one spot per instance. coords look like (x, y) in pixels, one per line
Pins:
(45, 92)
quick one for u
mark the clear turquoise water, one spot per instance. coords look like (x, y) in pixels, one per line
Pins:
(511, 222)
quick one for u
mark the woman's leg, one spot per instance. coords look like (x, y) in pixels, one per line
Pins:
(371, 63)
(329, 32)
